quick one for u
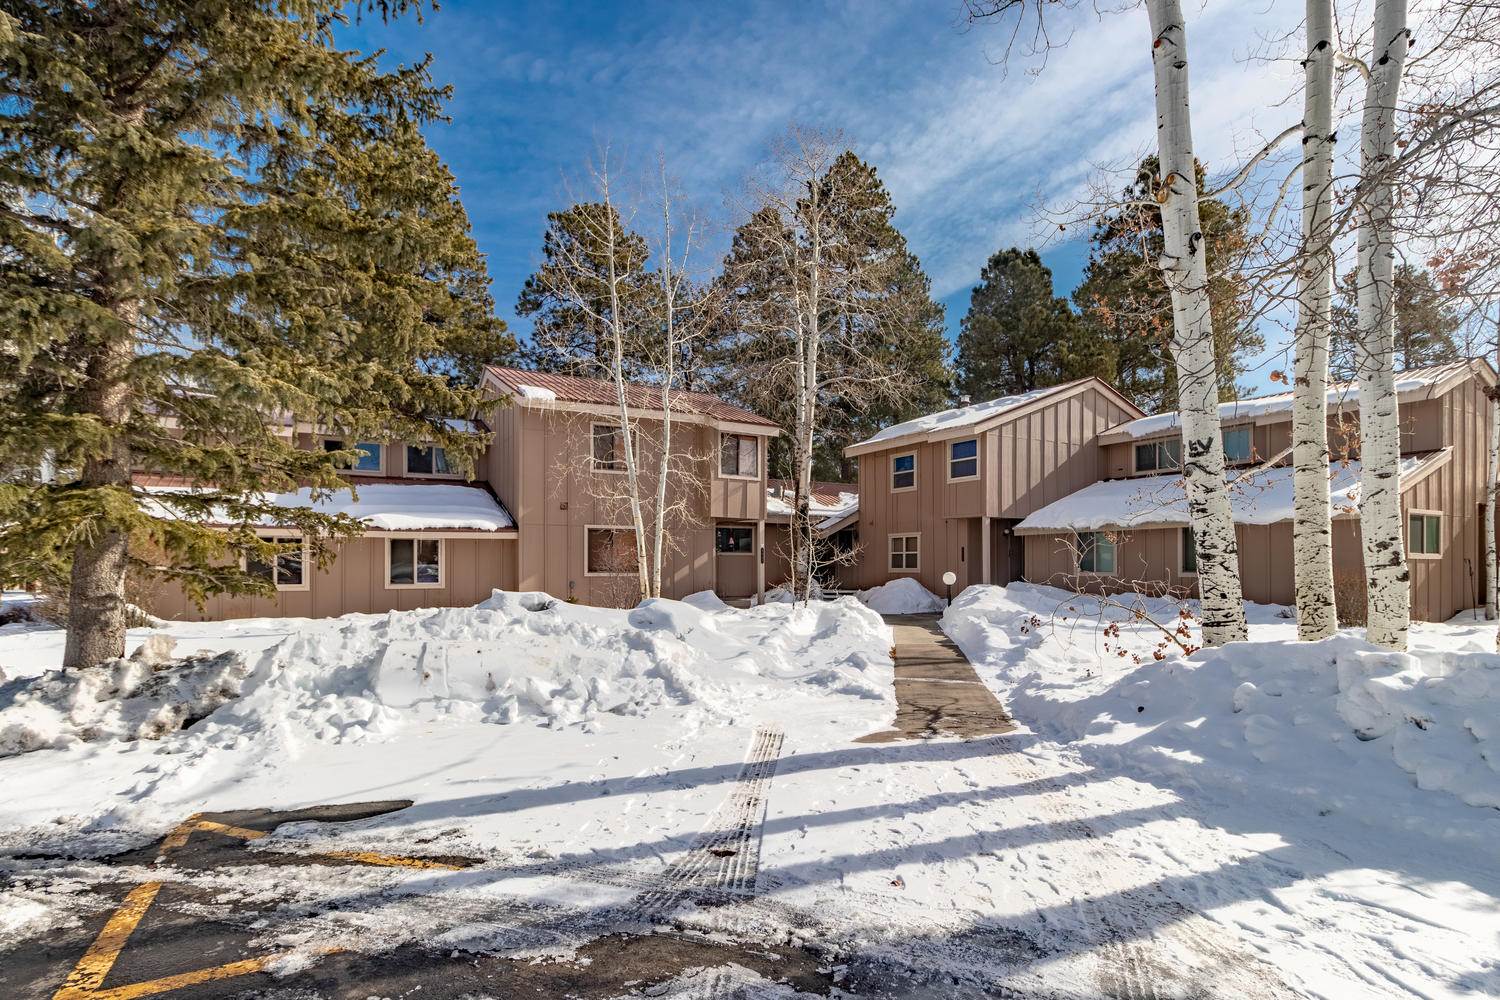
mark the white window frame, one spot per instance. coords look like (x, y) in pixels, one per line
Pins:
(406, 463)
(603, 527)
(890, 552)
(354, 471)
(904, 489)
(442, 580)
(719, 459)
(1135, 467)
(746, 527)
(975, 459)
(594, 465)
(1078, 548)
(1442, 541)
(1182, 535)
(306, 583)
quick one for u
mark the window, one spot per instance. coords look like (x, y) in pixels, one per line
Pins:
(414, 562)
(963, 459)
(609, 448)
(1237, 445)
(285, 569)
(905, 553)
(739, 456)
(1189, 548)
(427, 461)
(1157, 456)
(734, 538)
(369, 455)
(1424, 534)
(609, 551)
(904, 472)
(1096, 553)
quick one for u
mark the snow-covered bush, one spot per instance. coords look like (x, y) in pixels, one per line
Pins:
(901, 596)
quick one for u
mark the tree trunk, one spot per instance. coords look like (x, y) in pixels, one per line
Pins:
(1312, 529)
(1491, 488)
(1186, 273)
(1387, 576)
(96, 592)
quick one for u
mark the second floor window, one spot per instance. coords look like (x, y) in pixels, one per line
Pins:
(609, 448)
(739, 455)
(428, 461)
(963, 459)
(1237, 448)
(369, 455)
(1158, 456)
(904, 472)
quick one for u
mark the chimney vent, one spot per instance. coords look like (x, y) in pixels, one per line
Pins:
(964, 400)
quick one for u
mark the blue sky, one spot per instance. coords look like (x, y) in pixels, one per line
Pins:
(967, 145)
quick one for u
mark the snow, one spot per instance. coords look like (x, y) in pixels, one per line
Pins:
(1339, 393)
(381, 506)
(1261, 496)
(1339, 799)
(536, 392)
(901, 596)
(960, 417)
(825, 514)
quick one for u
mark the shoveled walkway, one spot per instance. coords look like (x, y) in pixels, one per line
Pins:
(937, 691)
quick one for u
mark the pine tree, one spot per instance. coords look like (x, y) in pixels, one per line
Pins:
(568, 297)
(1427, 324)
(1018, 335)
(214, 220)
(891, 337)
(1125, 304)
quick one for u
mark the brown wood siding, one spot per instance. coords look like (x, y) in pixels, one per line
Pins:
(355, 581)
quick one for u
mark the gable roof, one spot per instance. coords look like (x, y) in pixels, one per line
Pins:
(545, 388)
(830, 506)
(1411, 384)
(974, 418)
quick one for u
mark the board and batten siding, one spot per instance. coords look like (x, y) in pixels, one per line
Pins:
(356, 582)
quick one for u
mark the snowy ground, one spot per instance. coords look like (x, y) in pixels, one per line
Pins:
(1139, 836)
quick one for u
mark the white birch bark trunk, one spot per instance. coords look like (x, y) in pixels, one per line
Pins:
(1491, 585)
(1312, 528)
(1186, 273)
(627, 435)
(1387, 578)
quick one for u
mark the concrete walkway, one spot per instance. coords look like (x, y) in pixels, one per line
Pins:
(937, 691)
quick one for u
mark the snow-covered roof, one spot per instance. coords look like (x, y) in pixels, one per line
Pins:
(961, 416)
(1339, 393)
(381, 506)
(829, 503)
(1260, 496)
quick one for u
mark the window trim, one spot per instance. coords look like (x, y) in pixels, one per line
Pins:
(594, 465)
(890, 553)
(406, 463)
(414, 537)
(1078, 556)
(1182, 533)
(1249, 458)
(1442, 542)
(892, 484)
(282, 588)
(1135, 460)
(719, 463)
(353, 470)
(603, 527)
(746, 552)
(963, 479)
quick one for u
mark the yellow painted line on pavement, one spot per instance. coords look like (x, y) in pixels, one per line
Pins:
(388, 860)
(88, 975)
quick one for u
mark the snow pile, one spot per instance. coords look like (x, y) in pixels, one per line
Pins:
(140, 698)
(901, 596)
(527, 656)
(1324, 717)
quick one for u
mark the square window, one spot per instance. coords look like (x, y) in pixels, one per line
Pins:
(739, 455)
(610, 552)
(416, 562)
(905, 552)
(963, 459)
(1424, 534)
(369, 455)
(903, 472)
(608, 448)
(734, 538)
(427, 461)
(284, 569)
(1237, 450)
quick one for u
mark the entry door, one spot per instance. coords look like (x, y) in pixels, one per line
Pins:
(734, 556)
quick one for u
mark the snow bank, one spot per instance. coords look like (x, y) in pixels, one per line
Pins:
(126, 699)
(901, 596)
(1310, 711)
